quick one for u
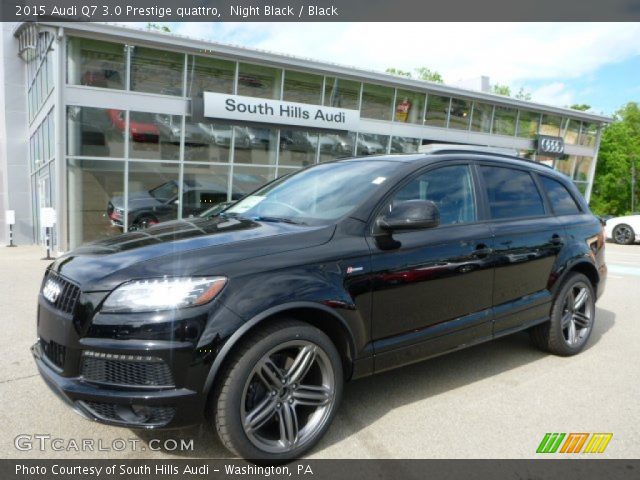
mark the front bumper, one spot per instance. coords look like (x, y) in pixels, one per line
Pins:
(138, 370)
(140, 374)
(128, 407)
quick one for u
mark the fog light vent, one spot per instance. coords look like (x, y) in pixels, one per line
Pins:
(126, 370)
(143, 415)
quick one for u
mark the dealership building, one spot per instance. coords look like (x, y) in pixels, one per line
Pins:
(110, 128)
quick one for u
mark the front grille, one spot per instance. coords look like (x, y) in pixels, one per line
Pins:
(126, 370)
(68, 295)
(130, 414)
(55, 352)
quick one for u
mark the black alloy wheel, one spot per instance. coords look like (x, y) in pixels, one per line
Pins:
(572, 318)
(280, 392)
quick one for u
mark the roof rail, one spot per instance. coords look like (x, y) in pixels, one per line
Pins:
(436, 148)
(452, 147)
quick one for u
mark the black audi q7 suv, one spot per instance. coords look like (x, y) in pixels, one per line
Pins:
(254, 318)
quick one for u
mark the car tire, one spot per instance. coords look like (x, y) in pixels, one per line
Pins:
(572, 318)
(144, 221)
(267, 407)
(623, 234)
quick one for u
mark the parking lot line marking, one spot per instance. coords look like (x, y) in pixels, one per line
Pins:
(623, 270)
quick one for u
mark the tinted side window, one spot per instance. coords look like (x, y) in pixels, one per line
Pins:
(561, 200)
(451, 188)
(512, 193)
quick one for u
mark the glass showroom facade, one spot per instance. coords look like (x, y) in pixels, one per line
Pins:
(115, 145)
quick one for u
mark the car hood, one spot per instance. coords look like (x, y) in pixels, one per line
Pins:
(137, 200)
(198, 246)
(224, 133)
(192, 129)
(626, 218)
(136, 127)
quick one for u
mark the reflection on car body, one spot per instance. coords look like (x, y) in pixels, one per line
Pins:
(142, 127)
(161, 203)
(368, 145)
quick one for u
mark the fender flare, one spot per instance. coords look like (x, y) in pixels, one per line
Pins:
(571, 267)
(240, 332)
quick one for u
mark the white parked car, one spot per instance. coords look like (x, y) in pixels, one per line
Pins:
(623, 230)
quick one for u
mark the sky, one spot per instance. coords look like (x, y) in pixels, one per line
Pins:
(558, 63)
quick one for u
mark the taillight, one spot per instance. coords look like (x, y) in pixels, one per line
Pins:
(601, 243)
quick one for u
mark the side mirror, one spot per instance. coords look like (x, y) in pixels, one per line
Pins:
(411, 215)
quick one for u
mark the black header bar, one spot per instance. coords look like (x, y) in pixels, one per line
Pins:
(551, 469)
(319, 10)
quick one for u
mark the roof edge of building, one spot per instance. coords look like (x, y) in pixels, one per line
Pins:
(173, 40)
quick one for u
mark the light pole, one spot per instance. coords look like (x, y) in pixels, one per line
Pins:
(633, 183)
(10, 220)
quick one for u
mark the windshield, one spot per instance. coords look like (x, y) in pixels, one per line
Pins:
(165, 192)
(317, 195)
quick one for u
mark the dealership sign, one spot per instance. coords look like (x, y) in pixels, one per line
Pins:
(251, 109)
(548, 145)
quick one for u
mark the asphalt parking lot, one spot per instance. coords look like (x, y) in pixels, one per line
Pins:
(495, 400)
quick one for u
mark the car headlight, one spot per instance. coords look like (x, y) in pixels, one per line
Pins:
(157, 294)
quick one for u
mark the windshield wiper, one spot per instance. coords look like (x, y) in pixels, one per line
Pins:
(279, 219)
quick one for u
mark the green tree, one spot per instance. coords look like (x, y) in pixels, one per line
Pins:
(583, 107)
(158, 27)
(424, 73)
(619, 149)
(523, 95)
(397, 71)
(501, 90)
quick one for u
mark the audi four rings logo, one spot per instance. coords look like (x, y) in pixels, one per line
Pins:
(550, 145)
(51, 290)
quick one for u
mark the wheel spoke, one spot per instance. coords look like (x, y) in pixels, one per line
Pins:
(580, 299)
(261, 414)
(570, 301)
(566, 319)
(302, 363)
(288, 425)
(270, 375)
(314, 395)
(571, 333)
(581, 320)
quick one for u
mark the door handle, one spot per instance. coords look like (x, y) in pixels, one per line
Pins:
(556, 239)
(482, 251)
